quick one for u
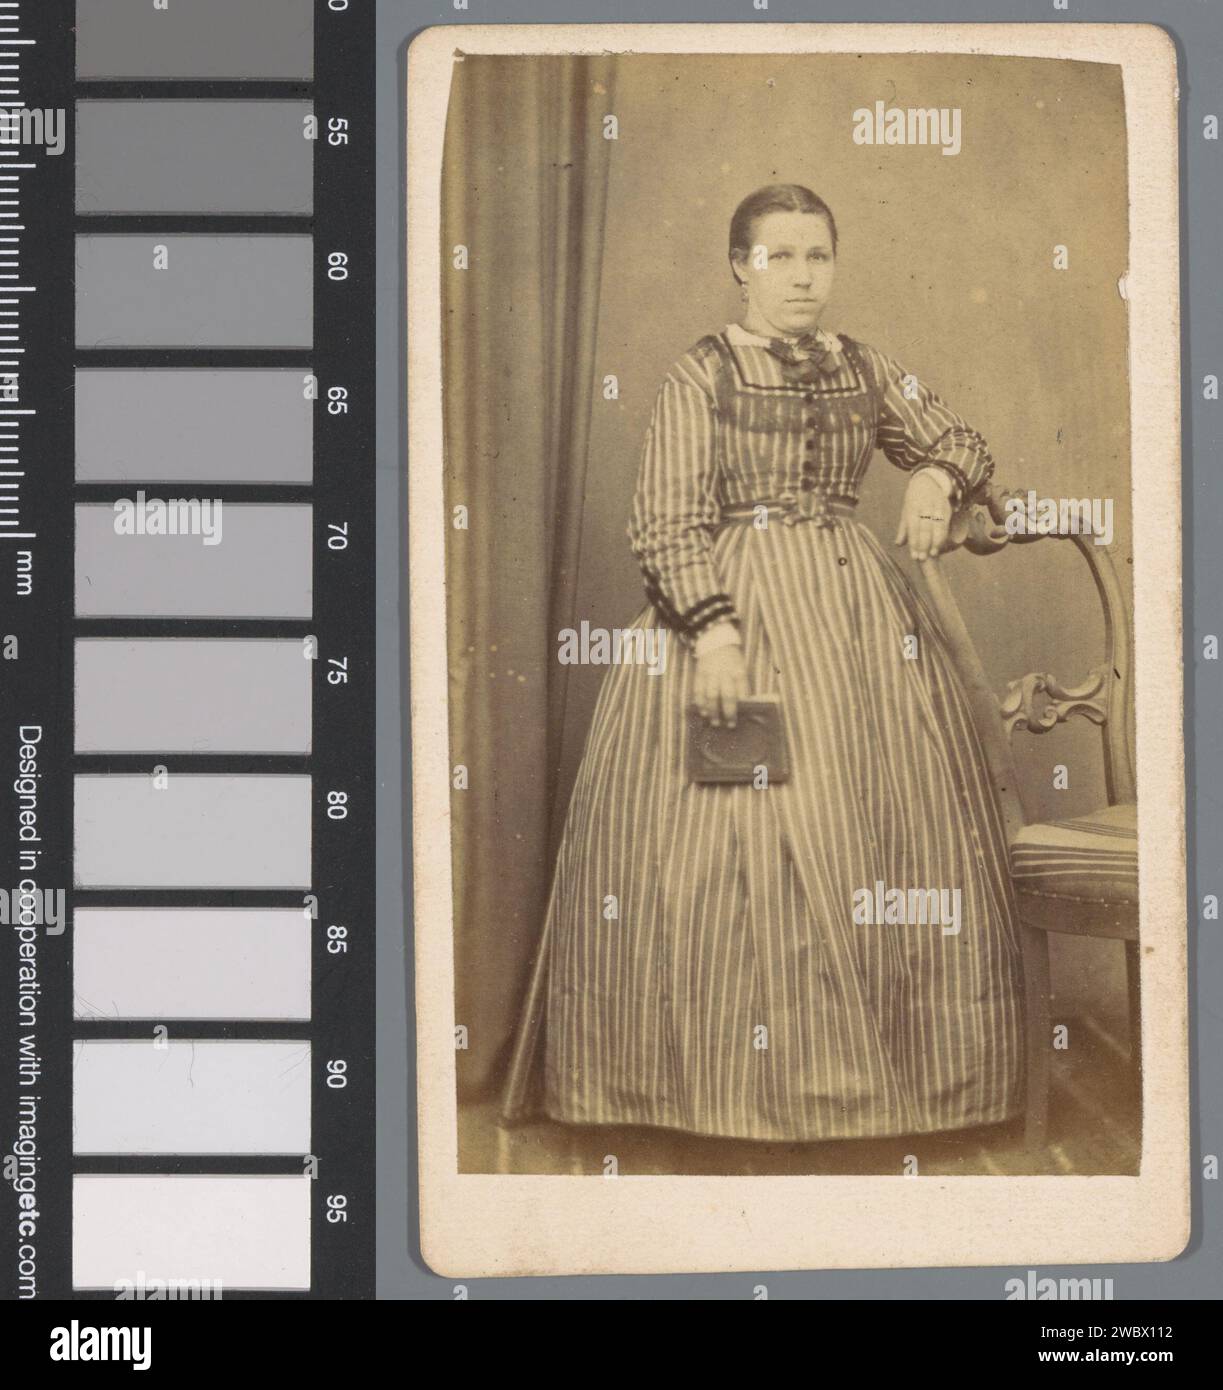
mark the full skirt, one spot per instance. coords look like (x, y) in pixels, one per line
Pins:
(702, 966)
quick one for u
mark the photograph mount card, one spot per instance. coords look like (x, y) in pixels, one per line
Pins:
(798, 360)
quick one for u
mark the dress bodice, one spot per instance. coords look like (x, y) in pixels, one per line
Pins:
(776, 435)
(733, 425)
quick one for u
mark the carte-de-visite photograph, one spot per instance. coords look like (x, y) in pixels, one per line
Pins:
(789, 589)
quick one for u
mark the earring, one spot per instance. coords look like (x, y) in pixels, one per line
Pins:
(742, 291)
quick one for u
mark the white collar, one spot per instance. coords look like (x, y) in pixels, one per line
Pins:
(736, 333)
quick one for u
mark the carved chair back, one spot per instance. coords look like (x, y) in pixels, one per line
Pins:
(1038, 702)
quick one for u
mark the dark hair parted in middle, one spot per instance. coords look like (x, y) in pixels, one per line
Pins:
(774, 197)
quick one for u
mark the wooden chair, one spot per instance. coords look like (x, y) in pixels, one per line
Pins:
(1080, 875)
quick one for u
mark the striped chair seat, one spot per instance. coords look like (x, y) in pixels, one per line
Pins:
(1093, 856)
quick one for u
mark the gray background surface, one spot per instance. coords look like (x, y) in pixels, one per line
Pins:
(213, 830)
(1197, 27)
(248, 1231)
(216, 291)
(192, 695)
(273, 39)
(197, 425)
(263, 566)
(195, 1096)
(187, 156)
(191, 962)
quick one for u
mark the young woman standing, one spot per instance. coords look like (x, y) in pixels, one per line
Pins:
(733, 990)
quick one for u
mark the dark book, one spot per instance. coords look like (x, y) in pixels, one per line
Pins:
(721, 754)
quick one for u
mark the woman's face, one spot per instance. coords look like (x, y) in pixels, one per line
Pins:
(788, 273)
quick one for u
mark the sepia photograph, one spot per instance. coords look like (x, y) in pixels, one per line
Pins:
(786, 520)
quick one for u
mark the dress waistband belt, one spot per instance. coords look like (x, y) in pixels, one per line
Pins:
(821, 507)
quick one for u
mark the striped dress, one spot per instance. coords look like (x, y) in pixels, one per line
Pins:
(703, 966)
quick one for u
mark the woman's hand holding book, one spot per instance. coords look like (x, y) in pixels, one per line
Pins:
(719, 684)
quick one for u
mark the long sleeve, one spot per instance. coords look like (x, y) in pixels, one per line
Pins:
(676, 506)
(918, 430)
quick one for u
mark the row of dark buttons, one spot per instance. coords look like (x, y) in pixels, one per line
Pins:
(811, 421)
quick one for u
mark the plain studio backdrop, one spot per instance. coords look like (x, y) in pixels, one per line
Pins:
(947, 263)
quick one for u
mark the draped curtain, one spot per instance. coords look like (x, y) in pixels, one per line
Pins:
(523, 202)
